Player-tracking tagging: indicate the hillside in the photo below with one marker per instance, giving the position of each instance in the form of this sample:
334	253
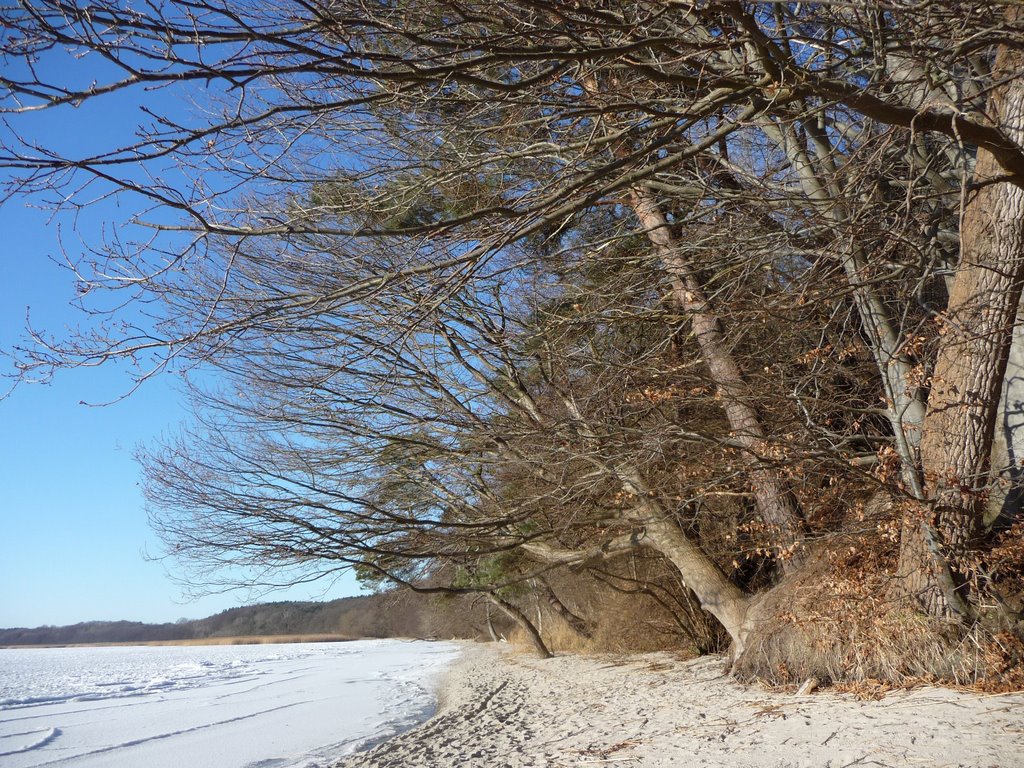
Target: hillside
380	615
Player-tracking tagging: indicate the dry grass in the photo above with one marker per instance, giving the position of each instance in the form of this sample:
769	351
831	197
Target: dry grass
624	625
900	648
631	625
839	622
557	637
560	637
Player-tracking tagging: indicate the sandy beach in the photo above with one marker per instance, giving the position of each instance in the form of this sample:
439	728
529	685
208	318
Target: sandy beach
501	708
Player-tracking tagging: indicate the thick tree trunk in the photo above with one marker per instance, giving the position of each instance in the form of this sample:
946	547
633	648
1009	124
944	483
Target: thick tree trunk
775	503
926	572
1007	493
976	336
715	592
524	623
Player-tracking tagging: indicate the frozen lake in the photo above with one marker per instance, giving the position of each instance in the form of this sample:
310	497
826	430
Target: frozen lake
241	706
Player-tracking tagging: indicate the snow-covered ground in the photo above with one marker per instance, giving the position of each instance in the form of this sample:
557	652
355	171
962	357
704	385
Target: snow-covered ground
254	706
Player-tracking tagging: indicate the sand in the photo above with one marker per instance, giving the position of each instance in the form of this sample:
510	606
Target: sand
500	708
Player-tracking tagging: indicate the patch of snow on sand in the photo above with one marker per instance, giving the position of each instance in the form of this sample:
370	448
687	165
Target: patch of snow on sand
260	706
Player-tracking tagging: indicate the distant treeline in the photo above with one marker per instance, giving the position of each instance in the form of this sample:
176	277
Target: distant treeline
380	615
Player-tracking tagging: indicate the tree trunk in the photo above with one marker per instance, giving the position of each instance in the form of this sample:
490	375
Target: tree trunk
775	503
905	406
686	612
524	623
714	590
490	624
574	622
716	593
976	333
1007	493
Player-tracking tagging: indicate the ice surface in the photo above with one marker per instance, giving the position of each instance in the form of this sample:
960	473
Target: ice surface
252	706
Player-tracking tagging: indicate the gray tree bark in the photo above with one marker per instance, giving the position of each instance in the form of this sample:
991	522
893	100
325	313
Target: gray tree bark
977	331
1007	489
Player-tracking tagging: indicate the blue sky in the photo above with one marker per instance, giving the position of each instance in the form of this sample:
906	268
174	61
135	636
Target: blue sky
73	530
72	525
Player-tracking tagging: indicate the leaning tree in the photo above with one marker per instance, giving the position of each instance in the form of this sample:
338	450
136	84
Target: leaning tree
650	257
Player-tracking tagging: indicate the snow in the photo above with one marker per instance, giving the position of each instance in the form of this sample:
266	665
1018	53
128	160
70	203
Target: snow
253	706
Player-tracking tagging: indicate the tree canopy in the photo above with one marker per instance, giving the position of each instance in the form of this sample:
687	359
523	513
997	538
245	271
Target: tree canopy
511	295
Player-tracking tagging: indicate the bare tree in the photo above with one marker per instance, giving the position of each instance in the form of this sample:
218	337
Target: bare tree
484	278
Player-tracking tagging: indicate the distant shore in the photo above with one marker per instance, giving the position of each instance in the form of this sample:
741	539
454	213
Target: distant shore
499	708
235	640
